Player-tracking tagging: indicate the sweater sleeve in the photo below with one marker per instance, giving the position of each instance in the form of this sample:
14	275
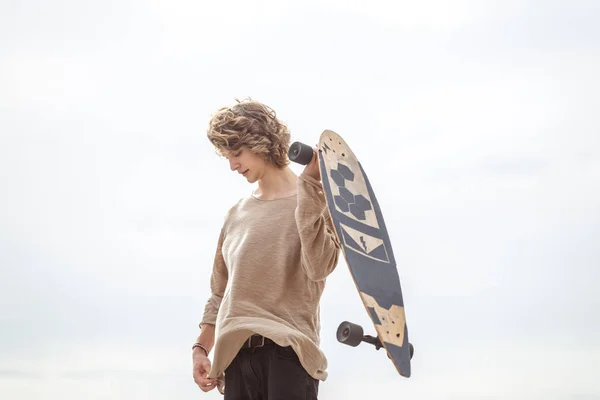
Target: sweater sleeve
320	246
218	282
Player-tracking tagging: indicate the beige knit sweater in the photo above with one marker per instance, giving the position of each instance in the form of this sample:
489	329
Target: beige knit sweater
269	272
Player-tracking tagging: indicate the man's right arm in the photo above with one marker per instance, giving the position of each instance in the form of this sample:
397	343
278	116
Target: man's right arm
206	338
218	283
201	362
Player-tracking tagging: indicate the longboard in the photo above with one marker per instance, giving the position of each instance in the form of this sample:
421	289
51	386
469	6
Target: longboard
366	246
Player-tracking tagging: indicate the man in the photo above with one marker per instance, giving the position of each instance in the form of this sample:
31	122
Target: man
275	250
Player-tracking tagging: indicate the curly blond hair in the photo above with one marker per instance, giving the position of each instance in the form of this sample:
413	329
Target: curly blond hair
252	125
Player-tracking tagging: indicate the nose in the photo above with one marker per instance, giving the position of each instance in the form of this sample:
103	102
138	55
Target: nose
233	165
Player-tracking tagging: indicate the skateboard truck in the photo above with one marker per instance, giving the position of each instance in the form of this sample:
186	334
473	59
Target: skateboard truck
352	335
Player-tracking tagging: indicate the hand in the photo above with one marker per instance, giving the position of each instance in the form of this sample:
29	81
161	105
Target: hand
312	168
201	368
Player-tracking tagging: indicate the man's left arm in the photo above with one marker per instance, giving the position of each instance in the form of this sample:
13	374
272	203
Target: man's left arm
320	245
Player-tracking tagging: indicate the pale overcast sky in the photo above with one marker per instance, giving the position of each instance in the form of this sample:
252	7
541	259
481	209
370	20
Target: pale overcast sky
477	122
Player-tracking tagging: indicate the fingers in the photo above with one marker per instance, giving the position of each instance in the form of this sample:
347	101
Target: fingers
312	168
315	165
207	386
204	383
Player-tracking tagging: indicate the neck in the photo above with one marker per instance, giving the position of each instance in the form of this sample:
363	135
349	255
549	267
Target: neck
276	183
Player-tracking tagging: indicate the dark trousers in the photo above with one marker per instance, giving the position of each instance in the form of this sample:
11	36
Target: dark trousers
268	372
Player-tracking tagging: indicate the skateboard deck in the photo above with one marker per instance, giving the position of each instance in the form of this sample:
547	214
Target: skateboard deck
366	246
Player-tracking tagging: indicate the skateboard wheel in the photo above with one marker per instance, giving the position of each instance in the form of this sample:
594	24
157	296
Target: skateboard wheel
349	334
411	349
300	153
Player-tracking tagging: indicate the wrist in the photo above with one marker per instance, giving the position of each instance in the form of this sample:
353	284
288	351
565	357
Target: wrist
198	347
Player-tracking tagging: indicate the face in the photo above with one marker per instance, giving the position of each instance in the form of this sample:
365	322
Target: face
246	163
